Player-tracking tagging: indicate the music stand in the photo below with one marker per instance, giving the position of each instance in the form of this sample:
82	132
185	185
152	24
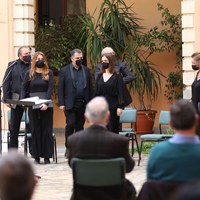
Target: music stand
27	103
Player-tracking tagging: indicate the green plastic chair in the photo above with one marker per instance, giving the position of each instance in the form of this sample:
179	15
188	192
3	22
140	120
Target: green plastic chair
128	116
97	173
163	120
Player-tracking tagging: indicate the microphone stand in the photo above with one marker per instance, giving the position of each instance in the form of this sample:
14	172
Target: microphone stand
4	80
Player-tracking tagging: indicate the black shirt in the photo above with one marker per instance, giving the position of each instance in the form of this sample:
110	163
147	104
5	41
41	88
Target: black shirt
37	85
79	82
112	90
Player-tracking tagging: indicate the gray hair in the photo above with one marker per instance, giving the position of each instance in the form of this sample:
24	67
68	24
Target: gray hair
107	50
182	114
96	110
75	51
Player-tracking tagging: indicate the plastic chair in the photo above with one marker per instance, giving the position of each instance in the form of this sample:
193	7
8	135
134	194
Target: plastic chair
129	116
95	175
25	119
163	120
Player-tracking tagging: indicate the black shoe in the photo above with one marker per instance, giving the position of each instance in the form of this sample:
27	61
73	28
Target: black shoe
46	161
37	160
66	153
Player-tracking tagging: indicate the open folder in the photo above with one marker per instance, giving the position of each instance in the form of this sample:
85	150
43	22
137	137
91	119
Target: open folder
37	102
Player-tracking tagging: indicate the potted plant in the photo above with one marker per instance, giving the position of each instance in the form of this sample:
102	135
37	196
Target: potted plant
148	81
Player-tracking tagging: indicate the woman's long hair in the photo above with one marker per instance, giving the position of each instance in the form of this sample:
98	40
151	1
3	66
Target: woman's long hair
45	69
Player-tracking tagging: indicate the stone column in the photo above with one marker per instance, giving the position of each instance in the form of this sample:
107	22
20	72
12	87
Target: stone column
190	10
23	18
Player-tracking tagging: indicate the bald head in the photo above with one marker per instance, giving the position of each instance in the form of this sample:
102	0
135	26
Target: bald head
107	50
97	111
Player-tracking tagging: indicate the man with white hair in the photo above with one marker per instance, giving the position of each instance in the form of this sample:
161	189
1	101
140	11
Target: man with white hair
97	142
120	67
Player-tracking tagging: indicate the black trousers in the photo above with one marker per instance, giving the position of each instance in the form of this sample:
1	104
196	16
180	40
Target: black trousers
74	121
41	129
14	126
113	124
16	116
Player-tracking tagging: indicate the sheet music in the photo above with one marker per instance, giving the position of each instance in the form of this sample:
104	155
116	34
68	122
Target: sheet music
36	100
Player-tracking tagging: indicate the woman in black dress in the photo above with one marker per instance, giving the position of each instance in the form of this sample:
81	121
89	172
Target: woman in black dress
110	85
196	85
39	82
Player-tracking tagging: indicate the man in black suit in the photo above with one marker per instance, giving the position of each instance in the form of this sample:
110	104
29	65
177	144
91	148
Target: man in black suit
74	91
97	142
12	84
121	67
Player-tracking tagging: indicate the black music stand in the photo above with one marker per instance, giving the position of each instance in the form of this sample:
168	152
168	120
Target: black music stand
27	103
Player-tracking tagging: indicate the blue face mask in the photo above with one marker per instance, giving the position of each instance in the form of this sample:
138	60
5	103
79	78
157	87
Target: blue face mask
27	59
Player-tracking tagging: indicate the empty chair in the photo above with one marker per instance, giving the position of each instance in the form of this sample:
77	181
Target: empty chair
128	116
163	120
98	178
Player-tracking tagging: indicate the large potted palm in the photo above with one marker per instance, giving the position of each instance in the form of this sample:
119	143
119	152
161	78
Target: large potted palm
118	26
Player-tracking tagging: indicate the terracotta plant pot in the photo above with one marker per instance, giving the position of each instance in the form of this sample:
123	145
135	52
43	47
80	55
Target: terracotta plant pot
145	121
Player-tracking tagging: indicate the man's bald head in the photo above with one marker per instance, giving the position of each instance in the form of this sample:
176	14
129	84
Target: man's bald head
97	111
107	50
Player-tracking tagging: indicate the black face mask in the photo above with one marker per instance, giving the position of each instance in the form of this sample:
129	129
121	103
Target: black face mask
79	62
194	67
105	65
40	63
27	59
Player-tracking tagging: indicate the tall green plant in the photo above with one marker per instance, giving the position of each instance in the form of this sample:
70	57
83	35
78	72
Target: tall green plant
115	25
168	37
118	26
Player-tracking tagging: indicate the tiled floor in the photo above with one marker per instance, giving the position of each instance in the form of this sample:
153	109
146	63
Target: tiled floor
56	179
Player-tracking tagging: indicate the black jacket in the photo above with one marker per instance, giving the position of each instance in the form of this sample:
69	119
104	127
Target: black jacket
67	86
13	78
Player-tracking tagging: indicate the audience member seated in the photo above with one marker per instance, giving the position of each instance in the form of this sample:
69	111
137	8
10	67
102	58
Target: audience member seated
177	159
17	180
189	191
96	142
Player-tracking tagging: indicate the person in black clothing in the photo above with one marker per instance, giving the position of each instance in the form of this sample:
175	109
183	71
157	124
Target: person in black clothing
120	67
110	85
196	85
12	83
74	91
39	82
